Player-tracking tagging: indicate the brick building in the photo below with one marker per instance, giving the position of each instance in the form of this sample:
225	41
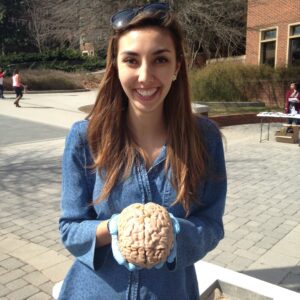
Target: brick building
273	32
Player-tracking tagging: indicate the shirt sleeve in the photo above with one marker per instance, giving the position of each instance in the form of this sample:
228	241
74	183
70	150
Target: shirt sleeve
78	221
286	106
202	230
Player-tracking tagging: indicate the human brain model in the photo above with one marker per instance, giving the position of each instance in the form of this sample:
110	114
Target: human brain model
145	234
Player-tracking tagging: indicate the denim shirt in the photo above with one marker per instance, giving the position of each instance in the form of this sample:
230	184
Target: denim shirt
95	274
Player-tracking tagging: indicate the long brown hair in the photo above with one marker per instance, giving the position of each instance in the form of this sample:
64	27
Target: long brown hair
110	140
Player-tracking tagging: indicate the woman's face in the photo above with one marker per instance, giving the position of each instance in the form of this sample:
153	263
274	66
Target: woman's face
147	64
292	86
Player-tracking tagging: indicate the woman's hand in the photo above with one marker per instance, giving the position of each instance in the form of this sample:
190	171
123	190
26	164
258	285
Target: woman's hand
102	234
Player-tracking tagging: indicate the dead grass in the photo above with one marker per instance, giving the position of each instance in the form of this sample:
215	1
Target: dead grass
41	80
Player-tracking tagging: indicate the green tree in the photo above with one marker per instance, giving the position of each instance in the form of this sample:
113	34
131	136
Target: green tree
13	26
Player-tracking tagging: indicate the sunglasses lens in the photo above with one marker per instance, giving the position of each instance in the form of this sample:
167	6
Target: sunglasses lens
153	7
123	17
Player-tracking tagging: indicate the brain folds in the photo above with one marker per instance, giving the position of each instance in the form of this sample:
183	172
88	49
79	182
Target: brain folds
145	234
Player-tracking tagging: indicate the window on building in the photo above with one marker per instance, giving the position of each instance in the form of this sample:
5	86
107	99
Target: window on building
268	47
294	45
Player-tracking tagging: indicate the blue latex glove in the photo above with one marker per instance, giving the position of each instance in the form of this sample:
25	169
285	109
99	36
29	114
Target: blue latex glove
176	230
113	230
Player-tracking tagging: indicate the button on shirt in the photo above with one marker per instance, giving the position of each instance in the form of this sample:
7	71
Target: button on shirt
95	274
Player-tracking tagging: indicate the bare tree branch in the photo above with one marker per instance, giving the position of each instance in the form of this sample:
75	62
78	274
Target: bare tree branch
213	27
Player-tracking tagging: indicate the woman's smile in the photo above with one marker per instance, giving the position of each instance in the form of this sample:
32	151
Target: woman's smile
147	94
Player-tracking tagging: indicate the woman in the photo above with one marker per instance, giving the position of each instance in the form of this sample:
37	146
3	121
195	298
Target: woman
144	145
2	74
292	102
18	87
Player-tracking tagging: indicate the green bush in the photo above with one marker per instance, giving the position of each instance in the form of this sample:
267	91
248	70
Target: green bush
221	82
237	82
68	60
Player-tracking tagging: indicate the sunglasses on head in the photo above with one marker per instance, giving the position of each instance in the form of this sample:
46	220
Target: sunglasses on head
123	17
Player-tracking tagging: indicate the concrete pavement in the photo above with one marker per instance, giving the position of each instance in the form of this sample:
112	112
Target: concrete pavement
262	219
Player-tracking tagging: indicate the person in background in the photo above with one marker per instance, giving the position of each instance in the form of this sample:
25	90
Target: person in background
2	74
292	102
141	143
18	87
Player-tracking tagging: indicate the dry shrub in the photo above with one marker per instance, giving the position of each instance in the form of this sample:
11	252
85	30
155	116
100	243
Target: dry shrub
43	80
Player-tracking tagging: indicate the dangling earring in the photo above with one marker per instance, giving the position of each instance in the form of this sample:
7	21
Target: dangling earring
174	77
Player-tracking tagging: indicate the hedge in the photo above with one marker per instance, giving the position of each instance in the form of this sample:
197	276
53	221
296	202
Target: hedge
236	82
68	60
